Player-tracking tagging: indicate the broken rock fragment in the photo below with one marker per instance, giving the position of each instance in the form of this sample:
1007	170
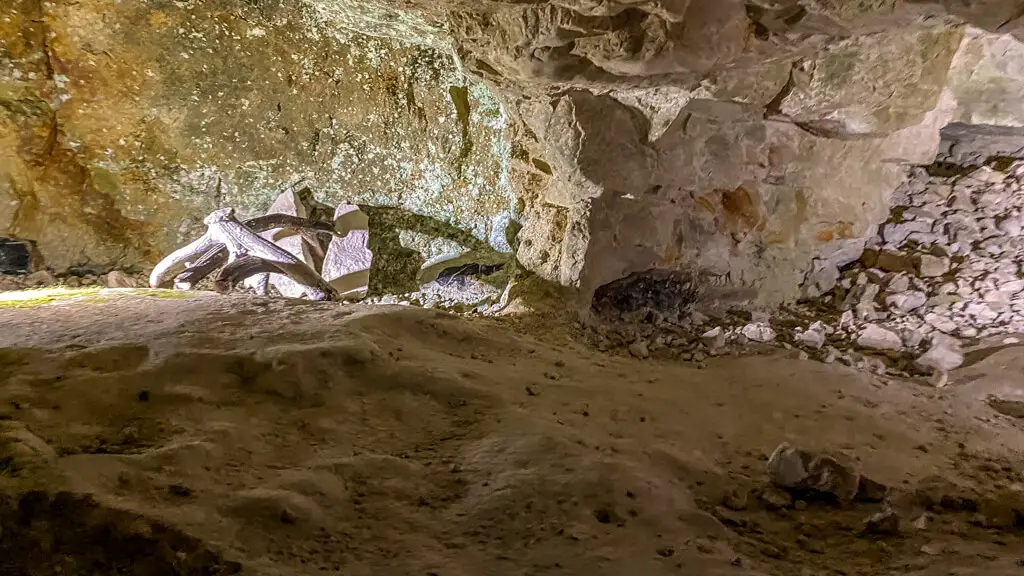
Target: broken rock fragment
758	332
877	338
811	338
795	469
885	523
932	266
289	203
944	355
906	301
348	260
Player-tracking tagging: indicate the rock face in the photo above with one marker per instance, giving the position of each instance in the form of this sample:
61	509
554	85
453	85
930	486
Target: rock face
754	144
121	125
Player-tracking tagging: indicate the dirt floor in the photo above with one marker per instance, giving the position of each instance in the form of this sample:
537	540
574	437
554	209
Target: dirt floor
221	435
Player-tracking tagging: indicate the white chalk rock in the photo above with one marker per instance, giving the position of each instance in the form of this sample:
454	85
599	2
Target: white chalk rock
348	259
758	332
906	301
878	338
811	338
944	355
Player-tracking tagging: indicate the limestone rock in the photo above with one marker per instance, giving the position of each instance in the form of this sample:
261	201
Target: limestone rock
987	79
878	338
125	176
713	339
118	279
347	263
820	279
811	338
932	266
758	332
906	301
944	355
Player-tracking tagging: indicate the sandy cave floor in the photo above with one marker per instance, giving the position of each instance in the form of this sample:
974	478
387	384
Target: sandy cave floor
220	435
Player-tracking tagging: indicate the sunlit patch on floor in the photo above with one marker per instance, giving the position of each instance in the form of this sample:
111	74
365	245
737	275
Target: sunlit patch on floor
44	296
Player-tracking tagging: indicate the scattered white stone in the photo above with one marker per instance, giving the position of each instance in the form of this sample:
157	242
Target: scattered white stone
906	301
714	339
988	175
758	332
347	263
941	323
877	338
944	355
1011	340
911	338
811	338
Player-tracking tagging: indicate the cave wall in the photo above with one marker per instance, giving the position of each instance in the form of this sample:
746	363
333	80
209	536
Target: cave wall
123	123
751	141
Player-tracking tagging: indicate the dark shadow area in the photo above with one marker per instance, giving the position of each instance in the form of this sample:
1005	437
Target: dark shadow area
15	256
395	268
73	535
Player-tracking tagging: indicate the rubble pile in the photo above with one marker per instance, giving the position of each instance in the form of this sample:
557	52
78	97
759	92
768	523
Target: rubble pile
944	270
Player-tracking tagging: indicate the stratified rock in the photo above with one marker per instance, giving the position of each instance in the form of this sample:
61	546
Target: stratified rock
348	260
878	338
944	355
758	332
118	279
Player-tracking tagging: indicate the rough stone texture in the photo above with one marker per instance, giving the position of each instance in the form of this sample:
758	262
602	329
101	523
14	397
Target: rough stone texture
987	78
738	140
128	122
